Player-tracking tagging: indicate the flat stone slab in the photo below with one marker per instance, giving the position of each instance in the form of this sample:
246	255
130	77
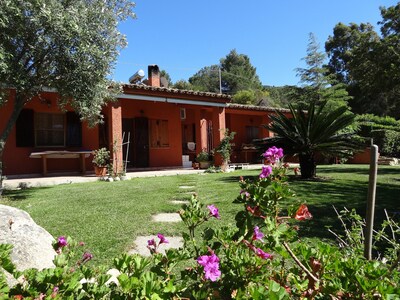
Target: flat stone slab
167	217
189	193
140	246
180	202
187	187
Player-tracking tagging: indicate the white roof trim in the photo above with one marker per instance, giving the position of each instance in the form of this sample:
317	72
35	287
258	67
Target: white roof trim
170	100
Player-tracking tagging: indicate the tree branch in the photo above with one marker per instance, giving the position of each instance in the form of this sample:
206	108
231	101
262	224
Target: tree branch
298	262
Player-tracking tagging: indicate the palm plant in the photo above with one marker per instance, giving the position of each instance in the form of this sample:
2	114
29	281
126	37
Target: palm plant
316	130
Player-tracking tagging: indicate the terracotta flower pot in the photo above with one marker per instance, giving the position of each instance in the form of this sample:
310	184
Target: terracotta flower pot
100	171
204	164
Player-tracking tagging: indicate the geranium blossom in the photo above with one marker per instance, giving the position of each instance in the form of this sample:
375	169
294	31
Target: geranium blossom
247	194
266	171
257	235
303	213
273	154
213	211
162	238
87	256
210	264
255	211
62	241
262	254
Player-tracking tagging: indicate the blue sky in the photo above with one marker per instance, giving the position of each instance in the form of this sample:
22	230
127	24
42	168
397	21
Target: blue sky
182	36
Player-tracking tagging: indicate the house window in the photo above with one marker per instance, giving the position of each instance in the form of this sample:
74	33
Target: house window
49	130
159	134
252	132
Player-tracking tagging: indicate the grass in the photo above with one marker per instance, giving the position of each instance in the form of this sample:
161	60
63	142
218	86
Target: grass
109	216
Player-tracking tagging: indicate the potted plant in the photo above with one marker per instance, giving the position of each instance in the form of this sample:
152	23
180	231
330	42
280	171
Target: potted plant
225	148
203	158
101	160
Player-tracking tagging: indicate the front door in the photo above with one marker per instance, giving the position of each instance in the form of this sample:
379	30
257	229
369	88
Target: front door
141	143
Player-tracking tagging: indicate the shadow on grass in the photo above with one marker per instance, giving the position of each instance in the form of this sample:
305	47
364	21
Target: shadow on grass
236	178
17	195
352	195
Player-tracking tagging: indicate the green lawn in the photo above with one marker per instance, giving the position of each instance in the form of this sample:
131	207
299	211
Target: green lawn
108	216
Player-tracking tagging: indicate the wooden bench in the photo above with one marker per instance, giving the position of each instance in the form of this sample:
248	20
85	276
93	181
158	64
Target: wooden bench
81	155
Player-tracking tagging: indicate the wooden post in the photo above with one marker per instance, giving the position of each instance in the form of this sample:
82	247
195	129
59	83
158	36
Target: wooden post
373	168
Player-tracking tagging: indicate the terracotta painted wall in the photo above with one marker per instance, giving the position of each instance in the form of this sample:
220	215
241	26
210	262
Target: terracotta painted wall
159	157
237	123
16	159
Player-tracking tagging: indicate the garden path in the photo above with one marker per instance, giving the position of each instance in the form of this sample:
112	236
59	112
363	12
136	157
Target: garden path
141	242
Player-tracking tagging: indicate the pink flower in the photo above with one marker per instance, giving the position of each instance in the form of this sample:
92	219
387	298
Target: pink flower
263	254
303	213
162	238
257	235
247	194
62	241
151	242
266	171
81	244
273	154
212	272
87	256
210	264
55	291
213	211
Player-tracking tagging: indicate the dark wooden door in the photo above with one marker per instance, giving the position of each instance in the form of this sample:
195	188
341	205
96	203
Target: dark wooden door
141	143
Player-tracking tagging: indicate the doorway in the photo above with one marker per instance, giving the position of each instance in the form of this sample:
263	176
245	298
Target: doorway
141	142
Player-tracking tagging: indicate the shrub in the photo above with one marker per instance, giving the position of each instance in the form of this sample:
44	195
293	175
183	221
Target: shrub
388	142
262	258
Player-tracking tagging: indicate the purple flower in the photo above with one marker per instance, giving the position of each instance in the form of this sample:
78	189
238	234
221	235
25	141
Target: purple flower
257	235
204	260
211	266
87	256
162	238
151	242
213	211
263	254
266	171
212	272
247	194
273	154
62	241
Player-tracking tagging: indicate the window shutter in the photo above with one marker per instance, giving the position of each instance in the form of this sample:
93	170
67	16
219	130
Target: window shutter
74	130
25	129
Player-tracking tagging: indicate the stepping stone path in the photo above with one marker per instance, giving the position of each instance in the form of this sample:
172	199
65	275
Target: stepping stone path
173	241
141	244
167	217
179	202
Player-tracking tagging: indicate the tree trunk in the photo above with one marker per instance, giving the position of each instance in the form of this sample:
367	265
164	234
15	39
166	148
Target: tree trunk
19	102
308	167
2	144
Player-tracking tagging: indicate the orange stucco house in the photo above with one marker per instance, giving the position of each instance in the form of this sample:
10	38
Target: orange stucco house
165	128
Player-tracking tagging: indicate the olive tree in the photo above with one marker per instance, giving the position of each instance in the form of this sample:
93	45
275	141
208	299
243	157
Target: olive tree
63	45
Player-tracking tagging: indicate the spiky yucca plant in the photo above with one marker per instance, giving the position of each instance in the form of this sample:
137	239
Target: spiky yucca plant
317	130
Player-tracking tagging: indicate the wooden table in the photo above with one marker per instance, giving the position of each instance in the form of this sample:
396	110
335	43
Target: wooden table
81	155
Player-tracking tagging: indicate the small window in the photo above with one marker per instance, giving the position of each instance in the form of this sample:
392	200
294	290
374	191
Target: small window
49	130
159	134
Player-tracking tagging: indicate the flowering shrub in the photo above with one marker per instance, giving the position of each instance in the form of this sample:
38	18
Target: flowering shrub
262	258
